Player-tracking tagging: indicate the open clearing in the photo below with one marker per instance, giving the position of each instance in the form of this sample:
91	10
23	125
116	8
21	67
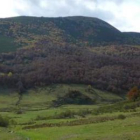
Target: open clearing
36	119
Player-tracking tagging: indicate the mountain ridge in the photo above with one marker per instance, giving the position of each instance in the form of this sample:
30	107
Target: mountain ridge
25	31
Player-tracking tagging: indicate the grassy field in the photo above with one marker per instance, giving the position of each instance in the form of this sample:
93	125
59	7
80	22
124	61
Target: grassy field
35	119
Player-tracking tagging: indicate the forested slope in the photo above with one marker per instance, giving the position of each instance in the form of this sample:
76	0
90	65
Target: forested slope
68	50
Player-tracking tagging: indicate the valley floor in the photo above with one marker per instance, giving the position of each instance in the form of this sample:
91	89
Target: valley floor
35	118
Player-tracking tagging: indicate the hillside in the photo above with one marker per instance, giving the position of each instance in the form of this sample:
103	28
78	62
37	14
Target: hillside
112	68
67	78
25	31
79	50
44	97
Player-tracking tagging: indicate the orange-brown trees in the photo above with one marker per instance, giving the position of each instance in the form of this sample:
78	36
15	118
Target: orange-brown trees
134	94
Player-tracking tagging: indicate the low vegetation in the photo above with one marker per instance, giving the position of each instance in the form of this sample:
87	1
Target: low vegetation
5	121
73	97
134	94
35	113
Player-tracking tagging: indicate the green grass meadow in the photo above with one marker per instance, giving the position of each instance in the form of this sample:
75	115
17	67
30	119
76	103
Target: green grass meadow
35	119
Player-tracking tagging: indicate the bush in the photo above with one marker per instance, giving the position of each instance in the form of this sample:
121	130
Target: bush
83	112
19	112
121	116
4	121
73	97
66	114
134	94
43	117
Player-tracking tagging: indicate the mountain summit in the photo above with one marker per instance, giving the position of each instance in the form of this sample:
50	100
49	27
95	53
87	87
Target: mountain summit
26	31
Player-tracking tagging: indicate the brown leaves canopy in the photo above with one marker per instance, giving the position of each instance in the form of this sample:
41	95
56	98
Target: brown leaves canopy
134	94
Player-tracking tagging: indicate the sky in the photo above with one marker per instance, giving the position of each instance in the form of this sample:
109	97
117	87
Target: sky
122	14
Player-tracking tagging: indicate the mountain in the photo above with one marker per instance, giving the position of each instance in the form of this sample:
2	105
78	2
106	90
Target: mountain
44	51
25	31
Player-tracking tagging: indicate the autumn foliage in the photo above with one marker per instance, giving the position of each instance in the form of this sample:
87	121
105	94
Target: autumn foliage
134	94
75	50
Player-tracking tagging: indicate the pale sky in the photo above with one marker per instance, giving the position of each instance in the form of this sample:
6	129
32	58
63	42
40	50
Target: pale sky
122	14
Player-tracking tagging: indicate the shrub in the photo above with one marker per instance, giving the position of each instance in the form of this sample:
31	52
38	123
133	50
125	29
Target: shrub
4	121
134	94
43	117
84	112
19	112
73	97
66	114
121	116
